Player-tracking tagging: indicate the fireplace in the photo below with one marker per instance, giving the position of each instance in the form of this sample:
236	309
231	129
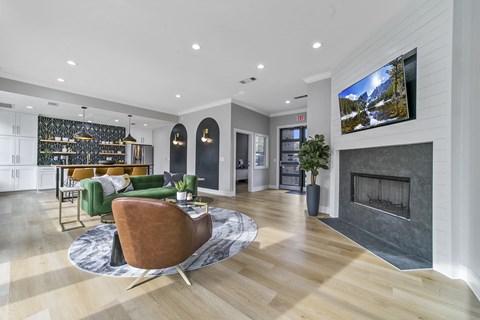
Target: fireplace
388	194
387	191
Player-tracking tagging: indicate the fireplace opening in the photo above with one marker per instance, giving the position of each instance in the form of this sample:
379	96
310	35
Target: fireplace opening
388	194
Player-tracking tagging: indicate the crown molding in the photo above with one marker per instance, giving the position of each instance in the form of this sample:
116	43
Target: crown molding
317	77
285	113
206	106
246	106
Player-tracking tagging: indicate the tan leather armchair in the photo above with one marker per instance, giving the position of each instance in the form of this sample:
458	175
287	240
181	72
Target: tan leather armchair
155	234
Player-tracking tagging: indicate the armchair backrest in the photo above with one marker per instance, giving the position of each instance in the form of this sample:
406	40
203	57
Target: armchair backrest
154	234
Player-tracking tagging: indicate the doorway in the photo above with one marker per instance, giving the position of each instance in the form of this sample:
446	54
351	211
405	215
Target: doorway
290	175
243	145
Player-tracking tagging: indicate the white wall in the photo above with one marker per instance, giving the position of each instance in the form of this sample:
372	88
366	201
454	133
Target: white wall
318	108
161	149
426	25
465	146
222	114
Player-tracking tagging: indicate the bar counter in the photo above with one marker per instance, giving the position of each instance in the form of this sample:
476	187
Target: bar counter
61	167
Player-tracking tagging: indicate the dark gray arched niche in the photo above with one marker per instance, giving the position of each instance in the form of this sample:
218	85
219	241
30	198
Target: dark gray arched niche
178	152
207	154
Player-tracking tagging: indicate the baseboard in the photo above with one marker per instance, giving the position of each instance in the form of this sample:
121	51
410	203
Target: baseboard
326	210
473	281
217	192
272	186
259	188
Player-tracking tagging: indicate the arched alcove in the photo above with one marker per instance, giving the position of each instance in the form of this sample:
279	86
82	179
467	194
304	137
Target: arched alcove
207	153
178	149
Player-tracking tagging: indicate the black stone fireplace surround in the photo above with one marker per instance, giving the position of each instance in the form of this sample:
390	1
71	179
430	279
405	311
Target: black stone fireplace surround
415	162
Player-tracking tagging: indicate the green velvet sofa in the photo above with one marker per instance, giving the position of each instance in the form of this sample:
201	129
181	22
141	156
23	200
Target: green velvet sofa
94	203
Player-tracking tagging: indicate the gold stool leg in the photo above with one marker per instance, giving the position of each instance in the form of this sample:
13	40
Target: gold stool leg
184	276
134	283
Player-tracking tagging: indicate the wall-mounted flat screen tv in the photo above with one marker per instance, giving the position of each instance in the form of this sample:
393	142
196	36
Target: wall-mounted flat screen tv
378	99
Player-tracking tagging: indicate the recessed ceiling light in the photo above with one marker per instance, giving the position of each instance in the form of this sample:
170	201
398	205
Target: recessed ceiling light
116	120
195	46
316	45
89	121
287	102
178	96
260	66
145	124
29	107
60	80
72	63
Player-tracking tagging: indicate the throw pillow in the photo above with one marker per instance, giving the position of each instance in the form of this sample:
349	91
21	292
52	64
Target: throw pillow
169	179
107	185
121	183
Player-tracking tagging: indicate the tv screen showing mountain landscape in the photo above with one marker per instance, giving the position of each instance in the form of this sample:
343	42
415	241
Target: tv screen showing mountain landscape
378	99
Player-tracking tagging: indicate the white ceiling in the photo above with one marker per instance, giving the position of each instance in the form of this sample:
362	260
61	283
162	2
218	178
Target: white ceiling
138	52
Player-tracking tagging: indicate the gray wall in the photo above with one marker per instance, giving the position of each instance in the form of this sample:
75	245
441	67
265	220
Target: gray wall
318	108
223	115
161	149
242	148
276	123
248	120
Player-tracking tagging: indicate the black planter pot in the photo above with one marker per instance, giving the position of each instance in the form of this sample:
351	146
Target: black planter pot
313	199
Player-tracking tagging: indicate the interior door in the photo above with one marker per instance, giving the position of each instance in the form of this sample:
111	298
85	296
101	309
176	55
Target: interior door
291	177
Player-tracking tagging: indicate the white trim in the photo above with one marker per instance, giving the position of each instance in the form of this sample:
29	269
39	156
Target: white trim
317	77
217	192
277	169
249	162
247	106
272	186
323	209
285	113
266	152
206	106
470	277
259	188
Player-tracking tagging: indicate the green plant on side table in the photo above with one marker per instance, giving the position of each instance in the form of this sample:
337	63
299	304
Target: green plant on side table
181	187
314	155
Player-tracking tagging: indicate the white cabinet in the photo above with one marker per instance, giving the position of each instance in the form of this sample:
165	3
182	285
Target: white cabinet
7	178
18	124
143	135
17	178
46	178
18	150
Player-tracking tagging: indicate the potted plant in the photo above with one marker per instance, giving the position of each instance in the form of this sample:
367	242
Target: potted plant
314	155
181	187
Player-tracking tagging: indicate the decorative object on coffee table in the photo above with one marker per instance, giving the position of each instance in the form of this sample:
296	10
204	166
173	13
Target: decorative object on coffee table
181	187
314	155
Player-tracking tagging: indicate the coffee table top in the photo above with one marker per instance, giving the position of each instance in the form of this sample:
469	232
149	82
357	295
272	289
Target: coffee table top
199	199
194	208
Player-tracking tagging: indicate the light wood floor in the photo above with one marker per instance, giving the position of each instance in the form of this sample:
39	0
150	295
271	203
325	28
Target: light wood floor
297	268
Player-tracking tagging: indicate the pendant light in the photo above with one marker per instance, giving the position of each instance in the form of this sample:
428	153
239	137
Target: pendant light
83	134
129	138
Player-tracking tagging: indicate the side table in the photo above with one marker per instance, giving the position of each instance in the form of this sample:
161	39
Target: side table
71	190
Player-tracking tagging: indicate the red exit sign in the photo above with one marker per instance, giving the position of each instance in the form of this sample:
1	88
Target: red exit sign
301	118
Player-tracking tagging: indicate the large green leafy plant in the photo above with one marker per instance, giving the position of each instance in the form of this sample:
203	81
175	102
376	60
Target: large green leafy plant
314	155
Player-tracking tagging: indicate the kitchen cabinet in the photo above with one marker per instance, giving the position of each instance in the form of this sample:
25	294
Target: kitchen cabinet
46	178
18	124
14	178
7	150
18	150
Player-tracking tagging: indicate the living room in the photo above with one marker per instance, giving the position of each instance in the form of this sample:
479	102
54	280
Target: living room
296	266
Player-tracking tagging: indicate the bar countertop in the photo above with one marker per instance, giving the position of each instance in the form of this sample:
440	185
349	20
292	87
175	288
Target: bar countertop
99	165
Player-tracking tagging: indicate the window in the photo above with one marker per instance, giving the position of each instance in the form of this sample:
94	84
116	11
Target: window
261	154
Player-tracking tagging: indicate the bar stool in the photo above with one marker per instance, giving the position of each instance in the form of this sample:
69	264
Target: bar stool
68	182
100	171
128	170
81	173
139	171
117	171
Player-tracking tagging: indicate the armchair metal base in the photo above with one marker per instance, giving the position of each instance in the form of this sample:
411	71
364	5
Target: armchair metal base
179	270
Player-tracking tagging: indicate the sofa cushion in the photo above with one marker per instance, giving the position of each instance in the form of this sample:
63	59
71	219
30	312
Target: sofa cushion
107	185
147	182
155	193
122	183
171	178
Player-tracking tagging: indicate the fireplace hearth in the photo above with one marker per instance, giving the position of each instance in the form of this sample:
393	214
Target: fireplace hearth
388	194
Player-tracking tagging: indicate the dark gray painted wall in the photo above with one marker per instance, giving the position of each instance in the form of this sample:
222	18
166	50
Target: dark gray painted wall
414	161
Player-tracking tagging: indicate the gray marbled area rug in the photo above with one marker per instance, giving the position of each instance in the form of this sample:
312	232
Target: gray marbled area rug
232	232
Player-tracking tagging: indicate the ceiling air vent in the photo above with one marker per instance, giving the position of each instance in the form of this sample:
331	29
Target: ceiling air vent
6	105
300	97
245	81
52	104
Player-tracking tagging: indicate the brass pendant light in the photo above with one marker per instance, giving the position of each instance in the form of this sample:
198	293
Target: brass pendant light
83	134
129	138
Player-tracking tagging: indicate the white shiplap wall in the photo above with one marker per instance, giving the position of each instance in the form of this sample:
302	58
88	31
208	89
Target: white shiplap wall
427	26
